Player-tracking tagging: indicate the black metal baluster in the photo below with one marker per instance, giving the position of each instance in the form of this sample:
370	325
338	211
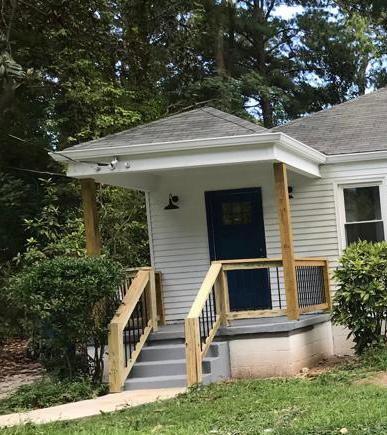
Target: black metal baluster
146	320
131	332
210	308
278	288
126	345
203	329
214	303
142	313
206	318
138	327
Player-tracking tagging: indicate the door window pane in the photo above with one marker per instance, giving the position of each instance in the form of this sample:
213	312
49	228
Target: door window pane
371	231
362	204
237	213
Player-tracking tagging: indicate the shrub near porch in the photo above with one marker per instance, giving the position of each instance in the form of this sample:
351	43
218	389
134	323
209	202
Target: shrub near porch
69	303
360	302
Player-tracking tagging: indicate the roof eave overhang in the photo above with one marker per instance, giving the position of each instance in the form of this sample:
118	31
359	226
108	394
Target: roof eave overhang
253	147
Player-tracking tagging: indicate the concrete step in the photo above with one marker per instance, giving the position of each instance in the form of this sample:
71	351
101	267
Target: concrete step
169	351
155	382
165	368
162	362
162	352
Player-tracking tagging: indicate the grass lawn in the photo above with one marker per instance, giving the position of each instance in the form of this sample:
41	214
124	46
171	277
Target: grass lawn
332	402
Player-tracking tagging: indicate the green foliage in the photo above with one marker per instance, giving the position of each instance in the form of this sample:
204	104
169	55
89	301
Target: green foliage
56	230
360	301
60	230
123	225
14	208
50	392
69	302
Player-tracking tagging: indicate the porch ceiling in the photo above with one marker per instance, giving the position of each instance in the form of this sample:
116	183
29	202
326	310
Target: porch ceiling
139	166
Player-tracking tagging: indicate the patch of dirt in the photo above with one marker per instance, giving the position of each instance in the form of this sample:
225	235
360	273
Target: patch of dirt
16	367
326	365
378	379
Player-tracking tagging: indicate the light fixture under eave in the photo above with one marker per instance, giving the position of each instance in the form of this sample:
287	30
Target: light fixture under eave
173	199
290	192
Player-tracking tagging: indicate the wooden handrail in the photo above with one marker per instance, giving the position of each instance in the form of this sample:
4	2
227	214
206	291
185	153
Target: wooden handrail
140	298
129	302
206	287
196	348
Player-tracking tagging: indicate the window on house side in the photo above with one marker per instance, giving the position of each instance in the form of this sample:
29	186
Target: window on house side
363	216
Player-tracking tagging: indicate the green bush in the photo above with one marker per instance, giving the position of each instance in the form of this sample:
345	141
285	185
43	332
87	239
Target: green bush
69	302
50	392
360	301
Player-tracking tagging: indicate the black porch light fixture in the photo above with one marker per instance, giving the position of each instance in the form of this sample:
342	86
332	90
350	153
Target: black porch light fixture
290	192
173	199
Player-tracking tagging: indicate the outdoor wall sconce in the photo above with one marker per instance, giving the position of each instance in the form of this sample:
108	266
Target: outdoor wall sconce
290	192
173	199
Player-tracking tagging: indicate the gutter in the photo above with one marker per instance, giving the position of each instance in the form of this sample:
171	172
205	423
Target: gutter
356	157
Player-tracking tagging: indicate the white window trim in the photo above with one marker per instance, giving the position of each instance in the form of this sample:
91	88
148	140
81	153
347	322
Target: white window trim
340	185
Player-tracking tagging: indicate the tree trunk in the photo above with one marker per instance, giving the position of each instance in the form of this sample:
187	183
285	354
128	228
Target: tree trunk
267	112
259	42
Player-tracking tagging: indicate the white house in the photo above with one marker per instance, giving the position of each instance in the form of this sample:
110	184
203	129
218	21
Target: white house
243	225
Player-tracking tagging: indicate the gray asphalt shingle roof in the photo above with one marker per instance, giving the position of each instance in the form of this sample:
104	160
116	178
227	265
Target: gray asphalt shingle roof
203	123
359	125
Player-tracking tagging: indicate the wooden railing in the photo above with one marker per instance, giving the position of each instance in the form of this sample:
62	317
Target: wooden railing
313	288
130	327
211	308
203	321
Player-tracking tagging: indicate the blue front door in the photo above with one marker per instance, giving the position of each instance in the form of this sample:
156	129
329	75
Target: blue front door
236	231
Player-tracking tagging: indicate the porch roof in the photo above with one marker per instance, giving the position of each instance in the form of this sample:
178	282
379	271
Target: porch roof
202	123
199	138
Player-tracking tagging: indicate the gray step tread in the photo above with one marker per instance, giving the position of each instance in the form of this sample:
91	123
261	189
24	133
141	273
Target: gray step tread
169	361
152	379
156	378
164	346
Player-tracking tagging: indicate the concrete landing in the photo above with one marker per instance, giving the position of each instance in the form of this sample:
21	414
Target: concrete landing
88	408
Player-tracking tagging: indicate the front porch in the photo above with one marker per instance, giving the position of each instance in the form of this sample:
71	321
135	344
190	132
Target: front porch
223	247
296	285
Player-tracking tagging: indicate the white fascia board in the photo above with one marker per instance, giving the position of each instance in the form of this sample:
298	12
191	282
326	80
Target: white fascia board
297	163
192	145
299	148
162	162
356	157
161	147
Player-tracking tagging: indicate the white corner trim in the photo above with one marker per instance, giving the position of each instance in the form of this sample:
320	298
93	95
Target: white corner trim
356	157
193	145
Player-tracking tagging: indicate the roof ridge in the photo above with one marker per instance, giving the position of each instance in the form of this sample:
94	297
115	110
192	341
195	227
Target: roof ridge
332	108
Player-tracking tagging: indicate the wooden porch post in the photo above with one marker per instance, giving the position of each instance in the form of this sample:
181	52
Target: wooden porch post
287	248
93	238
